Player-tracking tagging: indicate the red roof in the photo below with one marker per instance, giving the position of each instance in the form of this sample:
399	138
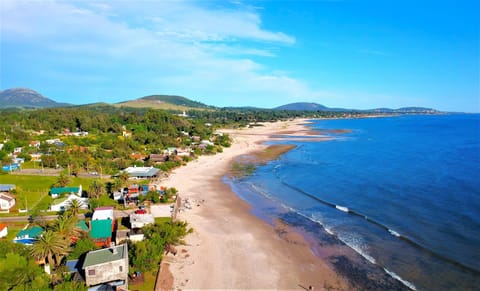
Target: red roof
2	226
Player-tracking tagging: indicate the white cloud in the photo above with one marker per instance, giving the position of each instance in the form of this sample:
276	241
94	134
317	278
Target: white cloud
181	47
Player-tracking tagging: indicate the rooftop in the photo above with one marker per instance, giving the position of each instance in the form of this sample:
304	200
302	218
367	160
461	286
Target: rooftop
61	190
6	187
82	225
105	255
6	197
101	229
32	232
141	171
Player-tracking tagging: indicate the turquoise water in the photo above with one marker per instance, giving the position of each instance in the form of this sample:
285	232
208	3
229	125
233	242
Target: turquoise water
403	192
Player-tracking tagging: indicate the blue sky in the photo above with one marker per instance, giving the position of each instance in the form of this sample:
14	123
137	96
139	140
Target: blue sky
353	54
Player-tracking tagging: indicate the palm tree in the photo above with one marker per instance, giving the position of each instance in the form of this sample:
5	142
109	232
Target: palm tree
63	180
96	189
50	247
65	226
73	207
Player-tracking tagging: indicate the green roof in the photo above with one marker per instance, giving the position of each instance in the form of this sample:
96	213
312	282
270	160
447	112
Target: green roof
105	255
82	225
33	232
61	190
101	229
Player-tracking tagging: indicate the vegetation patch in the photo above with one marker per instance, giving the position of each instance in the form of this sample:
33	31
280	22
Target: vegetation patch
247	164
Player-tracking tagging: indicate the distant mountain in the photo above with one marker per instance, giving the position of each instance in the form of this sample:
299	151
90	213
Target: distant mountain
165	102
304	106
26	98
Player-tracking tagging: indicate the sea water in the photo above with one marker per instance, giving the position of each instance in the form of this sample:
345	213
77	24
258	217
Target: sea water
403	192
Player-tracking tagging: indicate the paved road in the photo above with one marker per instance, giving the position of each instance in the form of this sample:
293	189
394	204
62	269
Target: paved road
117	213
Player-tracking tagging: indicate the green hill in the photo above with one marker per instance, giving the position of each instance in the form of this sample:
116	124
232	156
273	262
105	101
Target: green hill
171	102
26	98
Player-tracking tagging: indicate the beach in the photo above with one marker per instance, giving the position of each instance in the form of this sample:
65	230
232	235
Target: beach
230	248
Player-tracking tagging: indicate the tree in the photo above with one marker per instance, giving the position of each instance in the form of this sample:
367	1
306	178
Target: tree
70	285
50	247
63	180
123	177
65	227
74	207
96	189
82	246
19	273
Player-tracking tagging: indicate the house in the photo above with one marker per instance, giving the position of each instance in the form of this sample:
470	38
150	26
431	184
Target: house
207	142
158	158
171	151
34	143
82	227
101	232
18	160
3	230
55	192
142	172
6	187
65	203
28	236
102	225
136	235
107	267
53	141
184	152
140	220
117	195
6	201
17	150
138	156
102	213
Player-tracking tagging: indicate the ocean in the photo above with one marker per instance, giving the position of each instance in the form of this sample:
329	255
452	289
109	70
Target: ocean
402	192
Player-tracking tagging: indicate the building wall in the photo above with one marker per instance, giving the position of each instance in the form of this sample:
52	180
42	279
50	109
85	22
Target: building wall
5	205
4	232
107	272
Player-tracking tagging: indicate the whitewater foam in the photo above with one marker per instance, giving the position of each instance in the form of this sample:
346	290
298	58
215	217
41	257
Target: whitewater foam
404	282
394	233
342	208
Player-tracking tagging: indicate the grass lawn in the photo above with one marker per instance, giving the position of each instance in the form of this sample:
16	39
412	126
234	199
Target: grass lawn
13	229
162	219
32	191
148	284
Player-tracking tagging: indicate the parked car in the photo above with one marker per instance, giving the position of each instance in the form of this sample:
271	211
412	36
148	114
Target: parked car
140	211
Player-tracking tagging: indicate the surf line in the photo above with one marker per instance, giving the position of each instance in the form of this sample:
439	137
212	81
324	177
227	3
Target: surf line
390	231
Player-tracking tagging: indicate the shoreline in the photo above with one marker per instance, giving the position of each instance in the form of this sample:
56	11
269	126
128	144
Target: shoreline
231	248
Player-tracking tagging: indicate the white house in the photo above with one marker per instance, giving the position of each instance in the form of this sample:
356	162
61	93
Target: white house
103	213
66	203
55	192
3	230
6	201
140	220
141	172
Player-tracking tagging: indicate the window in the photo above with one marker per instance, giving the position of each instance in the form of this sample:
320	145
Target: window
91	272
120	268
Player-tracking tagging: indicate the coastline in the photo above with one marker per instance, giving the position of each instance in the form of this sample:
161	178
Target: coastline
230	247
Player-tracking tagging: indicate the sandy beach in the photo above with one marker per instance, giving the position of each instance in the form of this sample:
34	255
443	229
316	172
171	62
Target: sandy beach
230	248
